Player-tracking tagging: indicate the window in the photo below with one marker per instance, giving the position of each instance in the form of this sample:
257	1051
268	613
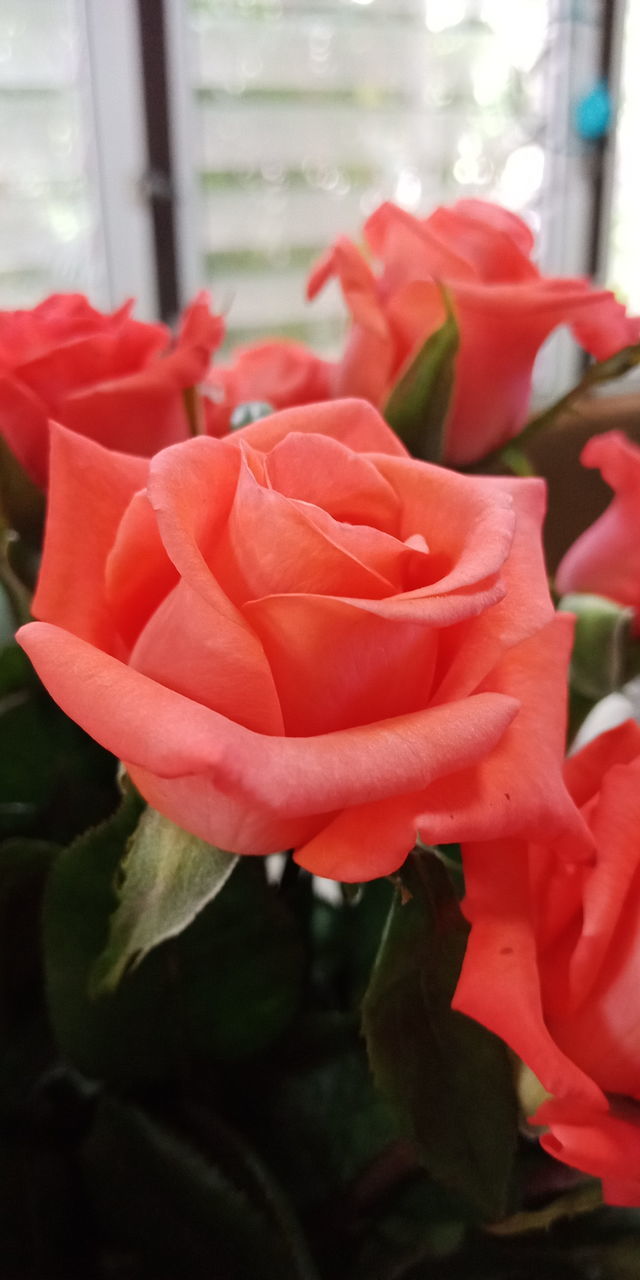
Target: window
285	123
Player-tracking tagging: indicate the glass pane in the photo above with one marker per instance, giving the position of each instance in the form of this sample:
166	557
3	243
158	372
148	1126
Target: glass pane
49	236
308	115
624	247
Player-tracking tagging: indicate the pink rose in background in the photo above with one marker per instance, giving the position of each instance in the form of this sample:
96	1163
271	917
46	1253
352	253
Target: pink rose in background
109	377
553	964
280	373
605	559
504	306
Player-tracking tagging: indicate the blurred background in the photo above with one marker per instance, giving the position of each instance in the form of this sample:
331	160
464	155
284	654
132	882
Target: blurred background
154	146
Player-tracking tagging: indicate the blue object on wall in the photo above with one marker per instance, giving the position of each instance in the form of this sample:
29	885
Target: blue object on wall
593	113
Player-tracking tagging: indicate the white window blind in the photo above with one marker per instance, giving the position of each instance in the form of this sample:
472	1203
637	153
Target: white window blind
72	156
623	266
295	119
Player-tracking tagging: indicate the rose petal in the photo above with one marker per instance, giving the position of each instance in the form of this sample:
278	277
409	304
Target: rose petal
468	522
494	241
499	985
209	656
165	733
353	422
605	559
273	544
518	788
583	771
96	486
476	645
138	572
345	484
336	665
599	1144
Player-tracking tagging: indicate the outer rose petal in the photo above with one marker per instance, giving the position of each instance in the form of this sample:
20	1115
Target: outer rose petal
500	219
345	261
598	1024
495	361
62	317
369	358
499	985
412	249
238	780
496	242
192	647
117	348
552	965
518	788
150	400
96	485
606	558
108	377
353	422
526	606
138	573
496	796
601	1144
584	771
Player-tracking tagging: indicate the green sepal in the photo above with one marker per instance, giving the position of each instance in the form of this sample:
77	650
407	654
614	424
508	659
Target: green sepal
602	643
419	402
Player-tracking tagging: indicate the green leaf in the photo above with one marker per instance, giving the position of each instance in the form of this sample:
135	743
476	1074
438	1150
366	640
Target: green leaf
54	780
241	968
319	1117
28	764
23	504
417	1221
603	636
168	876
225	988
448	1078
344	939
24	865
156	1196
16	671
418	405
137	1032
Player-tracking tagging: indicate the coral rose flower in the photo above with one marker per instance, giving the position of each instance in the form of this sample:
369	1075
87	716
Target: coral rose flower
503	305
605	559
280	373
109	377
553	964
300	637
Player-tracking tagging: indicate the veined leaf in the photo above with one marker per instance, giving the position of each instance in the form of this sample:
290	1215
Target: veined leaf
448	1079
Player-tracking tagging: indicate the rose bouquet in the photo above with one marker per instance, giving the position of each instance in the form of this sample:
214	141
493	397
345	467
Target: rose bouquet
319	950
